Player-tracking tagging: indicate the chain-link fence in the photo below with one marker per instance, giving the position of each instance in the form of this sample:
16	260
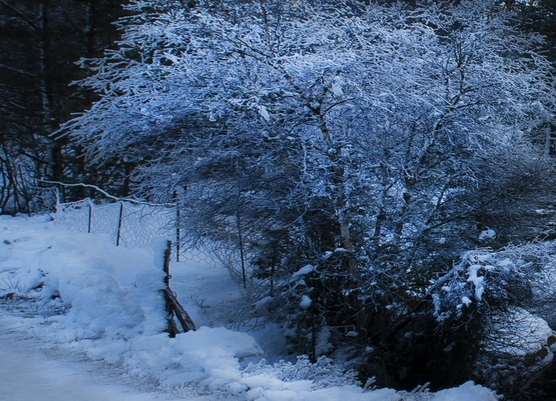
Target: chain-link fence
135	224
129	224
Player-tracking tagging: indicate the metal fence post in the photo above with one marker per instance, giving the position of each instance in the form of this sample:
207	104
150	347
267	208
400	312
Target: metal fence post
90	222
120	223
178	232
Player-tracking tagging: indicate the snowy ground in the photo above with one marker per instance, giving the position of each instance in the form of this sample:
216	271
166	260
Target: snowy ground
29	373
90	316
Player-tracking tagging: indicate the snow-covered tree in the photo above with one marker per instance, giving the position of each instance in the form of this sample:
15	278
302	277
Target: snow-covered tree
366	142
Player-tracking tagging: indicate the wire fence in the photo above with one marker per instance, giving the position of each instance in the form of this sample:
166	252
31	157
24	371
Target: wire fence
133	225
127	224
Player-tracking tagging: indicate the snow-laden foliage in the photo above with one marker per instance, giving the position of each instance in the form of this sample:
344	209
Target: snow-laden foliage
374	143
510	292
483	279
520	276
323	373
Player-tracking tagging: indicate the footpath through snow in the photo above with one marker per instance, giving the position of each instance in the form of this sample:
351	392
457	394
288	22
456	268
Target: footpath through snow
75	294
27	373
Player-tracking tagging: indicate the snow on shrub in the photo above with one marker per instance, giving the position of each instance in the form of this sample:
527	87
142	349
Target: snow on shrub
507	292
322	374
482	279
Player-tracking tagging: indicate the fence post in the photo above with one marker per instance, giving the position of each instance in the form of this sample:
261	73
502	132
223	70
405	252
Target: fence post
56	199
178	233
61	193
120	223
173	306
241	249
90	222
171	328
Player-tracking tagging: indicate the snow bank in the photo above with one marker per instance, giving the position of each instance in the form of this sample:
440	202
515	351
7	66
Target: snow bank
466	392
81	293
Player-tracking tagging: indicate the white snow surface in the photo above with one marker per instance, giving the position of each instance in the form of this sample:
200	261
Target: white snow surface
91	318
28	373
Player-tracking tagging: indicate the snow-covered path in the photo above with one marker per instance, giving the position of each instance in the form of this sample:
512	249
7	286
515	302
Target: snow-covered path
27	373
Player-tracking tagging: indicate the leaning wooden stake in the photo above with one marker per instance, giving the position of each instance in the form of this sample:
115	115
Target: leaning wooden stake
185	320
173	306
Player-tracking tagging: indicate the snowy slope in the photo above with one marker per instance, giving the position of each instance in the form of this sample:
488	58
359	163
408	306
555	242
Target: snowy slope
77	294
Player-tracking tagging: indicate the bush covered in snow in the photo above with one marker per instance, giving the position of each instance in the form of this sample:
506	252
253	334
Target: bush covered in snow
324	373
505	297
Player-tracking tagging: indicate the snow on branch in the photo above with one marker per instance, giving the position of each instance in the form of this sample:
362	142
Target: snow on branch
106	194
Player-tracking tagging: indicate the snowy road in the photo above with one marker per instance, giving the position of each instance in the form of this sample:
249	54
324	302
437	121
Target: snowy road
28	374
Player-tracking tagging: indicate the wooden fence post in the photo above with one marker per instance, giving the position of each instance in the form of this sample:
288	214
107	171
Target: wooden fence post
173	306
171	326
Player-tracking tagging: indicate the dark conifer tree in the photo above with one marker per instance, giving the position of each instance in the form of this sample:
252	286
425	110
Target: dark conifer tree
40	41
